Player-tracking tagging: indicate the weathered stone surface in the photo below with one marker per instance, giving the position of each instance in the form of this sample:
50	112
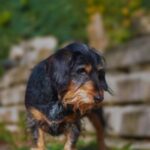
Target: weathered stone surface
115	143
32	57
33	49
87	125
4	146
43	43
15	76
141	23
12	96
10	114
130	121
122	121
144	145
17	52
12	128
133	53
129	88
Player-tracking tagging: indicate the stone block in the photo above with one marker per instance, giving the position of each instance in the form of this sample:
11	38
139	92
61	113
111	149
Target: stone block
87	125
129	88
13	96
129	121
38	49
17	52
133	53
40	43
12	128
141	145
10	114
14	77
132	144
32	51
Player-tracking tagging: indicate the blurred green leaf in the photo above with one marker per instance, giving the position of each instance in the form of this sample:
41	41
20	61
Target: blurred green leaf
5	17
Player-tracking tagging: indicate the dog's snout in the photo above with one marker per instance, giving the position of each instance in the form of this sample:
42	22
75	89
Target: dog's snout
98	98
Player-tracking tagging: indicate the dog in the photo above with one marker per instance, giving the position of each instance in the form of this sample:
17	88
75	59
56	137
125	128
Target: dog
64	88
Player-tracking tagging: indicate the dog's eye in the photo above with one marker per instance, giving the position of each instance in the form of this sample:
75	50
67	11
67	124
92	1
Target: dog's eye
81	70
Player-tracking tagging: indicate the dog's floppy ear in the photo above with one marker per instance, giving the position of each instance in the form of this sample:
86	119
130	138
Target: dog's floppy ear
60	69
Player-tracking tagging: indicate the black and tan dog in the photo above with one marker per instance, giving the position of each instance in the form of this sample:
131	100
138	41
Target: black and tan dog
64	88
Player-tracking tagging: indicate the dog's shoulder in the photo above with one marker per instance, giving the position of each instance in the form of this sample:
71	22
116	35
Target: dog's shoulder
39	86
38	75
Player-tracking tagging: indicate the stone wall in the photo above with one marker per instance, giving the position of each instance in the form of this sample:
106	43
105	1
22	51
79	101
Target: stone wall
127	112
13	84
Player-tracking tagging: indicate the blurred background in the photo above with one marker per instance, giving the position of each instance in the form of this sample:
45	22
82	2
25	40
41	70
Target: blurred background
31	30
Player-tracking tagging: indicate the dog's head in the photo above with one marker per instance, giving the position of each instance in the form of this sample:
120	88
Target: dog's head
78	75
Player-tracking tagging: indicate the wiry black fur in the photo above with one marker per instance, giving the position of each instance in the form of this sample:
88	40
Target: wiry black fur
50	78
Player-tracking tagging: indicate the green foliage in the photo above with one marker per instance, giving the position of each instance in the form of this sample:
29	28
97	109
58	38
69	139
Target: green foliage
20	19
65	19
87	146
5	135
117	16
145	4
55	146
15	140
81	145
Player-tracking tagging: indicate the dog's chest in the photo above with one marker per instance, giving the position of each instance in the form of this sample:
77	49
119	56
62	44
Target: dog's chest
58	127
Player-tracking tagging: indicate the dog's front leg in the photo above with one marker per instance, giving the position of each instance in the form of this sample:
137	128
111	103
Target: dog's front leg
39	139
72	136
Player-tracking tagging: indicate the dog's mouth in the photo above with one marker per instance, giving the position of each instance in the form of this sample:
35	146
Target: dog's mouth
83	97
82	100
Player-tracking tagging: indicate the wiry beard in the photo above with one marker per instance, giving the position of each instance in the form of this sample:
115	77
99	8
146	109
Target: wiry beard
80	100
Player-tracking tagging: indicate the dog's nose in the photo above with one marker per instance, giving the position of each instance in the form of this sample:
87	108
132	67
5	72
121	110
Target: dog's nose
98	98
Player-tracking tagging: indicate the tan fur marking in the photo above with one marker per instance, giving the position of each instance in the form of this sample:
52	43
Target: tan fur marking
68	144
40	145
81	98
41	140
88	68
71	118
39	115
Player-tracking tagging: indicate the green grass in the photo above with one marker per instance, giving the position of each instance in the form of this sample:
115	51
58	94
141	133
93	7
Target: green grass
21	142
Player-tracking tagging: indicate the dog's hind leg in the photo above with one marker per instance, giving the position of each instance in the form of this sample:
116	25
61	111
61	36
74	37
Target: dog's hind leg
98	125
72	136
